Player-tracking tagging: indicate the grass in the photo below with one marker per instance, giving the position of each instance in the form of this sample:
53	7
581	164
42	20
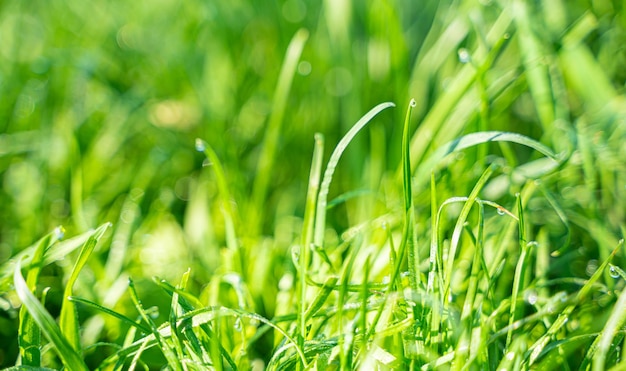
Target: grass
313	185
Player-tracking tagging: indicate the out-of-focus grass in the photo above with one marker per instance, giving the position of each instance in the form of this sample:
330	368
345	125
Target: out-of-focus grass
101	104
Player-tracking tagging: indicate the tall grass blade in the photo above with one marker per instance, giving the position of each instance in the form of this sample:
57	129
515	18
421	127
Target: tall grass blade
458	228
227	211
535	69
320	215
407	243
270	142
70	358
307	233
68	319
518	278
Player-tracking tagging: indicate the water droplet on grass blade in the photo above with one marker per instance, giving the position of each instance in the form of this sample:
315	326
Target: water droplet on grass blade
59	232
238	325
613	271
464	55
412	103
531	297
500	211
200	145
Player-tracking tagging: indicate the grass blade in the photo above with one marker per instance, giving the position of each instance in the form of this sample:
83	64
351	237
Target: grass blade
613	325
407	232
474	139
167	349
64	349
320	215
537	348
307	232
29	334
69	321
270	142
228	213
458	228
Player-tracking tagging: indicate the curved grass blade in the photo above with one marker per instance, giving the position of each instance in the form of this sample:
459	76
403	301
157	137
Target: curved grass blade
110	312
65	351
320	215
458	229
474	139
68	319
29	335
55	252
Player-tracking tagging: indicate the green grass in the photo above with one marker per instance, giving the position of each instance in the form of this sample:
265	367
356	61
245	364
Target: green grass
309	185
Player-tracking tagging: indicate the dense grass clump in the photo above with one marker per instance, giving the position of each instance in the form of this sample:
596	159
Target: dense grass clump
313	185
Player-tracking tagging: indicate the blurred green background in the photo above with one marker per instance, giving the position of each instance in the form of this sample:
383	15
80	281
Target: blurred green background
101	103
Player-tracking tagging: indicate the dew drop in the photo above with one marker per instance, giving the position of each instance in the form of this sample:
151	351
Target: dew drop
200	145
59	232
464	55
532	244
238	325
613	272
500	211
531	297
412	103
295	253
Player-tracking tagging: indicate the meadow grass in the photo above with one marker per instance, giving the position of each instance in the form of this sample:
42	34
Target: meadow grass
305	185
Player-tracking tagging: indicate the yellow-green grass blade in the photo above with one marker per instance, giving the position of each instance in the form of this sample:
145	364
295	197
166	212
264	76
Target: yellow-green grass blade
68	319
70	358
322	200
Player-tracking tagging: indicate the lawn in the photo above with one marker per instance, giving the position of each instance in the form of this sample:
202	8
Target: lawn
313	185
